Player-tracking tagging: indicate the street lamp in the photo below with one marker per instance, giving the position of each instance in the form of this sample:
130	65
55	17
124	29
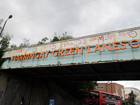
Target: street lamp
5	24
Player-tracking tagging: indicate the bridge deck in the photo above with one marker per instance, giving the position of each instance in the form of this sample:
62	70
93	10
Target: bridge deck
107	56
127	70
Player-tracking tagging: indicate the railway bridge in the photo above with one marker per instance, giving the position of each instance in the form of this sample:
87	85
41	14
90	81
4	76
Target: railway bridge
99	57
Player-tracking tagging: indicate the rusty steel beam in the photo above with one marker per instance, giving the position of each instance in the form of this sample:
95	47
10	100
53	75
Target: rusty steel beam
119	70
94	72
72	72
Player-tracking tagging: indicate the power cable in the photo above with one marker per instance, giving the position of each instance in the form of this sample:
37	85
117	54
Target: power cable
51	12
68	8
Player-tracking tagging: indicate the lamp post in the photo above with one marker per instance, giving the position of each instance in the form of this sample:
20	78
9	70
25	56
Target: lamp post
5	24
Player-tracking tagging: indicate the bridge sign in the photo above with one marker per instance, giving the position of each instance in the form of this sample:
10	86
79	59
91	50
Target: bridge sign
109	47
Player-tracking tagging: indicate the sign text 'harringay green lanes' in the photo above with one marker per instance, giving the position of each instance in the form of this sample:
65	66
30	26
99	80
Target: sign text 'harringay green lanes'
74	50
74	46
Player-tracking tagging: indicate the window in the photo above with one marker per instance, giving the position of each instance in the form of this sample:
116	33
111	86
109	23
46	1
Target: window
112	97
118	98
107	96
93	95
103	95
99	87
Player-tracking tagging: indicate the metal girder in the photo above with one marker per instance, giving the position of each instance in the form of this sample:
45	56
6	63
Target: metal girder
55	74
77	75
72	72
34	73
16	71
93	71
37	74
115	71
119	69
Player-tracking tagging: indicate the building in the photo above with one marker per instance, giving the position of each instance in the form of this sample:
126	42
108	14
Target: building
135	91
113	88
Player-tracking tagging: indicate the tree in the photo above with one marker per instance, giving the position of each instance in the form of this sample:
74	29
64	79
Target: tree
13	47
131	98
77	89
44	39
25	43
4	44
64	36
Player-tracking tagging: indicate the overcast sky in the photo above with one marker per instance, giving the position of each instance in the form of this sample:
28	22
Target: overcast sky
35	19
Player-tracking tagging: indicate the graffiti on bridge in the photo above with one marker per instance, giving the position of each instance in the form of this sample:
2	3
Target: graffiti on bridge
131	33
102	37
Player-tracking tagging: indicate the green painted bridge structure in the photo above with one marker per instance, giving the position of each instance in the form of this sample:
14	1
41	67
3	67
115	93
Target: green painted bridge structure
99	57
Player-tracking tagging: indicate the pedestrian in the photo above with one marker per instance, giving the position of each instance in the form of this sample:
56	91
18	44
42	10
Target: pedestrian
22	101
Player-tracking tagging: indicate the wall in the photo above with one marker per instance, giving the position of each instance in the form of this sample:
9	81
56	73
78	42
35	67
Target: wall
107	88
35	92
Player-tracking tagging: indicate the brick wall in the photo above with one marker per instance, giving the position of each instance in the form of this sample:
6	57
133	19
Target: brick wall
110	88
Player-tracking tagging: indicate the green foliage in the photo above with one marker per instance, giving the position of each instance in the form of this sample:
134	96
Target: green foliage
25	43
78	89
1	20
131	99
55	38
64	36
42	41
13	46
4	44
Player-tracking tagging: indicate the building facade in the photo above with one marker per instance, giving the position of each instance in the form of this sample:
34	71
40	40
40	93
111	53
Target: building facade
135	91
113	88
